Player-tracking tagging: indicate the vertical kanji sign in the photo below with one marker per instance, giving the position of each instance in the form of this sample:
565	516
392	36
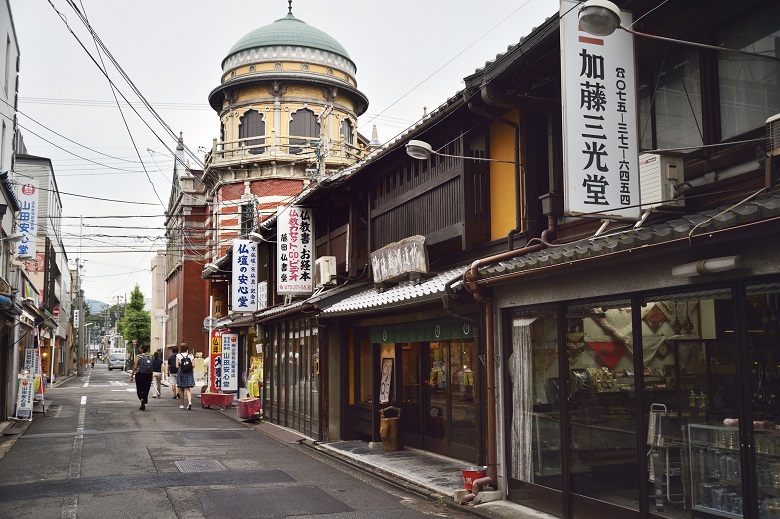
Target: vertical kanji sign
601	161
28	217
294	248
229	362
244	276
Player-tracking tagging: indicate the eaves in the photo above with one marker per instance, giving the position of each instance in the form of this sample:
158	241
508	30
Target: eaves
506	61
680	232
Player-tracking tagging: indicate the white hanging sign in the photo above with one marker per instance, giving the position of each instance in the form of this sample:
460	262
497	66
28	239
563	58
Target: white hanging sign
600	160
294	251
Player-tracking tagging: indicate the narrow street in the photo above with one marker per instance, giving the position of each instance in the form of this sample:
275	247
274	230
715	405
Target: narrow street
95	454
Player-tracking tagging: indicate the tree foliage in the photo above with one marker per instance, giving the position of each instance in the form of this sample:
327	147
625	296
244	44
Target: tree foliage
136	325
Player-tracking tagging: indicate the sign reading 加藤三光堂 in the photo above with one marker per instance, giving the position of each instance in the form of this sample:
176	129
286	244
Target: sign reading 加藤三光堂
600	160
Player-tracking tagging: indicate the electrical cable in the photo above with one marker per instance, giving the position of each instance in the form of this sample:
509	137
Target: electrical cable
65	21
124	75
121	112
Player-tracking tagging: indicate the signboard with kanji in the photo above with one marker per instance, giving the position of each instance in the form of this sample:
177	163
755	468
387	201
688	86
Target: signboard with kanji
229	362
244	276
215	361
600	160
294	251
28	217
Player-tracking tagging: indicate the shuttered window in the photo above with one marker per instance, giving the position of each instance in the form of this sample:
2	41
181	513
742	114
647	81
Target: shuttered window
251	125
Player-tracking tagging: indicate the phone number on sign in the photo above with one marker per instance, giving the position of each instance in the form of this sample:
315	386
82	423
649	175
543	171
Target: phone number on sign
300	288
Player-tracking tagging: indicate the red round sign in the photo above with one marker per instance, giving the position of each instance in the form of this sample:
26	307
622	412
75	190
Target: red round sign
56	311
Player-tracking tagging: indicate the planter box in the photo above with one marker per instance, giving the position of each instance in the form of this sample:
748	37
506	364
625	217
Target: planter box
218	399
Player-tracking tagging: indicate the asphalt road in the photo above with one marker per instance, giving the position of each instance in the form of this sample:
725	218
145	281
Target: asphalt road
94	454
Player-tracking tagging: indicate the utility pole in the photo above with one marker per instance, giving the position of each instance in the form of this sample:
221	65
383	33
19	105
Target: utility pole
80	365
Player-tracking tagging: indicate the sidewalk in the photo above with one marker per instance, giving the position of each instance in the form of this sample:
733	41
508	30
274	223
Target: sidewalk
421	472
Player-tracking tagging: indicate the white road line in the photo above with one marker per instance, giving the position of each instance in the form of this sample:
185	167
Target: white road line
70	503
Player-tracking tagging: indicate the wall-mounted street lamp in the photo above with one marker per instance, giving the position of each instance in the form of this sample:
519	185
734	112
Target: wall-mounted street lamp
602	18
421	150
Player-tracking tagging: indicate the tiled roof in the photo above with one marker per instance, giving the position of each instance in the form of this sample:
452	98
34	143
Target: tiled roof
683	227
276	310
406	292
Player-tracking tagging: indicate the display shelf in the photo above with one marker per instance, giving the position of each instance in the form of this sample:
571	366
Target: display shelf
716	470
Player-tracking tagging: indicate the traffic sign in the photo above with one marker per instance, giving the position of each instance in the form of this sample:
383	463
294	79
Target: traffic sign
56	312
209	322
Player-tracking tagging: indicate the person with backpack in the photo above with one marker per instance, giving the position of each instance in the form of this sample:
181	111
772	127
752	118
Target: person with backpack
172	371
142	372
185	378
157	365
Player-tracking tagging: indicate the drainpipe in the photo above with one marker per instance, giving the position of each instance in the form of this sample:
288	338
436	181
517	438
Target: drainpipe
518	207
470	279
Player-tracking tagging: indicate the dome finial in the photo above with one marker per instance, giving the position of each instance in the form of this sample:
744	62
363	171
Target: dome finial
289	6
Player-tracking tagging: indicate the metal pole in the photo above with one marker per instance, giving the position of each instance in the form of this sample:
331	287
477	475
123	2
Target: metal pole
81	328
80	345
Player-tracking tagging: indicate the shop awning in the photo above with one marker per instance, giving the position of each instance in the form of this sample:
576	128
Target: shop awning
9	306
430	331
402	294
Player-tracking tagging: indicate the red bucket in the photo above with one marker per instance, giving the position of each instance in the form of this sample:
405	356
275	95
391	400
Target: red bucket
471	474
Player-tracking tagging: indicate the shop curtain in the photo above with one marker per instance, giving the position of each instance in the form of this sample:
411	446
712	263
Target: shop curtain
521	373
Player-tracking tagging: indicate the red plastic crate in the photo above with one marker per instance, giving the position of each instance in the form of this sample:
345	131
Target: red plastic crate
248	407
218	399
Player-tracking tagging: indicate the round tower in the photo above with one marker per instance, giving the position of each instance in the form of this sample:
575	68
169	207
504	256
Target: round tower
288	105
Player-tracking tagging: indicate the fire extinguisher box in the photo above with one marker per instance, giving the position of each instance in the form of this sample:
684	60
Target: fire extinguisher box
248	407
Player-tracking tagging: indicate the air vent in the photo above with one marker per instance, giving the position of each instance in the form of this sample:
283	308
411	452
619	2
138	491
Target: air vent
773	136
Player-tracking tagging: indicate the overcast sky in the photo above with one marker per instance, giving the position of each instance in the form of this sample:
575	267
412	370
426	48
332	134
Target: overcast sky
409	54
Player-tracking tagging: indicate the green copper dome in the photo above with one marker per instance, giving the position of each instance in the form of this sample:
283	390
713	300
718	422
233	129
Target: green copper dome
292	32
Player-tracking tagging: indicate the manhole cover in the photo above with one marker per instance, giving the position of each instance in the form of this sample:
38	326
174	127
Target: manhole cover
199	466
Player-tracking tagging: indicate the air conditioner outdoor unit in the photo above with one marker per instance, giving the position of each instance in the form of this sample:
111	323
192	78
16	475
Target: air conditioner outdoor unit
659	178
773	136
324	270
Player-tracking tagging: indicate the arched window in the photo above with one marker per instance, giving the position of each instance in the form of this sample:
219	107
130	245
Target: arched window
346	131
252	124
303	124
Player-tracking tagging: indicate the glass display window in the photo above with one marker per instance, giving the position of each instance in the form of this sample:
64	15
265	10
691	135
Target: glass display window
535	398
690	391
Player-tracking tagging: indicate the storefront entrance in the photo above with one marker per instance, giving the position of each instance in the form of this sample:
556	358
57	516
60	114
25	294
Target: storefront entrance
435	366
664	405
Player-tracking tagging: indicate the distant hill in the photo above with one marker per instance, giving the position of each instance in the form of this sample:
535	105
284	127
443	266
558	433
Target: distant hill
95	307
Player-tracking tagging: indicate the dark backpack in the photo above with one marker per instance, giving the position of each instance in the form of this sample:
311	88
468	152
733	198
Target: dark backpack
144	364
185	364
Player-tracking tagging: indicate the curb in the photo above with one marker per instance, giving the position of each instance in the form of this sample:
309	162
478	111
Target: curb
399	481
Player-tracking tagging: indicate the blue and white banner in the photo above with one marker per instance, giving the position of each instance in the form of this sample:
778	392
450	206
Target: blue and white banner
229	362
28	217
244	285
24	399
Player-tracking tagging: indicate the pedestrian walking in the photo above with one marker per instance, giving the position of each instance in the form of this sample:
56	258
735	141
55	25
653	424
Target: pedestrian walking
185	378
173	370
157	365
142	371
